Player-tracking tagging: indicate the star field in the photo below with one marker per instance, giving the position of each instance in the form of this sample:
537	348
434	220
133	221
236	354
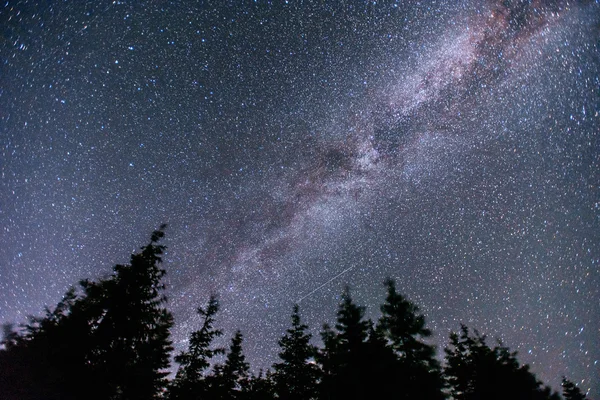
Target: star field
294	147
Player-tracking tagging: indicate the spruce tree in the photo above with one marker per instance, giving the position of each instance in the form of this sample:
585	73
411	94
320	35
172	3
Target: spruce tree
111	340
475	371
345	356
45	359
404	326
417	370
327	359
296	376
189	383
130	334
230	378
382	366
571	391
259	387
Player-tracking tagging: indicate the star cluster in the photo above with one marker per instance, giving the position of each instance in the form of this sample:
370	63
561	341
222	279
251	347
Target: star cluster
294	147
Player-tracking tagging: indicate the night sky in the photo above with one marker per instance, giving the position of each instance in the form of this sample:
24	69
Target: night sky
296	147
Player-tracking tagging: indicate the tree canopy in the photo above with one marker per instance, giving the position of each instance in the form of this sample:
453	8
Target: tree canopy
110	339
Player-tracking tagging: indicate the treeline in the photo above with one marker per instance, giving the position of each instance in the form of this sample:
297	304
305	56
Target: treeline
111	340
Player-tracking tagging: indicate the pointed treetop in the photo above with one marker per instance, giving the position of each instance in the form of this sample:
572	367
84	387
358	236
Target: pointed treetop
158	234
571	391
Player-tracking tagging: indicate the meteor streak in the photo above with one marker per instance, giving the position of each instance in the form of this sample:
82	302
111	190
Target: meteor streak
329	281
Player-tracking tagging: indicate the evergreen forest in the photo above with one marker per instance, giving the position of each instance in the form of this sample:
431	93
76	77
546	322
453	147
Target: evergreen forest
110	339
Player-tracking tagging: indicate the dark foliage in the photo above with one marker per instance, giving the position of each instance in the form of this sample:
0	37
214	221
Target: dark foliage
259	387
112	337
229	380
190	382
296	375
571	391
345	354
110	341
475	371
415	366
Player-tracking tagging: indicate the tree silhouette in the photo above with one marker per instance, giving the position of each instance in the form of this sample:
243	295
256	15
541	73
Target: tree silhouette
189	383
475	371
296	376
382	366
110	341
417	371
36	361
230	378
259	387
571	391
131	343
345	355
327	359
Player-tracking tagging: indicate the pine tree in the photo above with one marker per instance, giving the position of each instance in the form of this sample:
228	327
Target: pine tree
475	371
112	337
327	359
382	366
404	327
131	331
345	357
571	391
229	379
296	376
417	370
259	387
44	359
189	382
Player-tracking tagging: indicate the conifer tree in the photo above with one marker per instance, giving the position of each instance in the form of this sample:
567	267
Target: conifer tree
190	382
296	376
417	370
571	391
131	342
404	326
259	387
346	353
382	370
229	379
476	371
112	337
327	359
45	358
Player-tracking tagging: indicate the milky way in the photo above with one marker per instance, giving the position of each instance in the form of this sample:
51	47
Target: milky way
297	148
